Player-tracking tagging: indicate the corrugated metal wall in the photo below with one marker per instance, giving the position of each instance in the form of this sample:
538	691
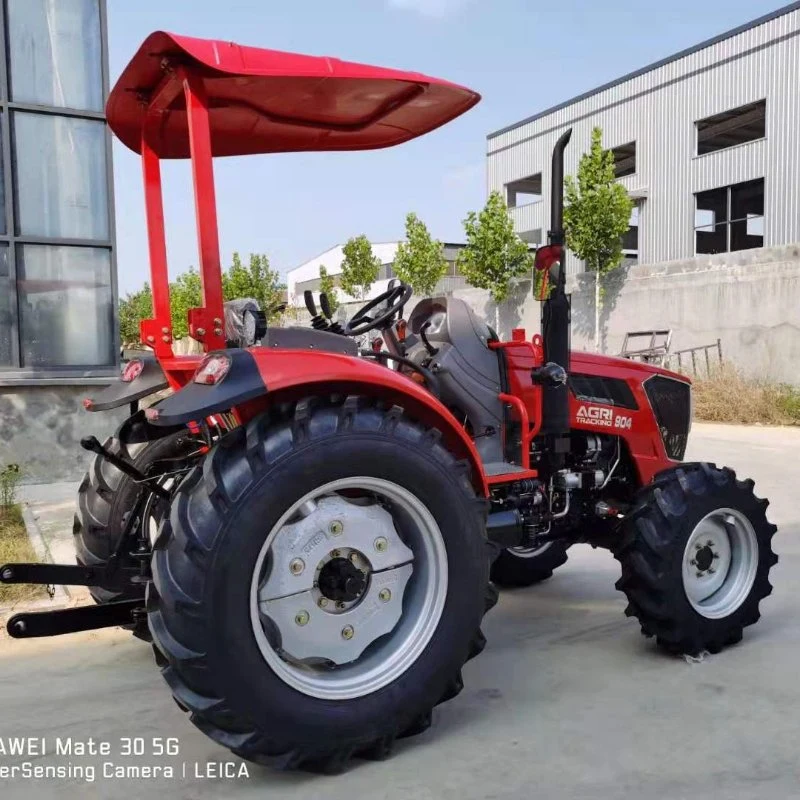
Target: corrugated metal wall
658	110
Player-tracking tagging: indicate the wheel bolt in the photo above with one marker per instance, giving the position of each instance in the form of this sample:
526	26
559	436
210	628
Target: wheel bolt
347	632
322	602
301	618
354	557
385	595
709	543
698	547
297	566
381	545
693	563
711	570
699	575
339	604
335	554
336	527
716	555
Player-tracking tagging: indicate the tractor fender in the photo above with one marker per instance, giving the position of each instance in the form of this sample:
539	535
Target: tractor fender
259	377
149	378
196	401
290	375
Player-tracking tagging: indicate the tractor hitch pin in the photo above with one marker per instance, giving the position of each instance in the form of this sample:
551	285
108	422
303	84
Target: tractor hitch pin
91	444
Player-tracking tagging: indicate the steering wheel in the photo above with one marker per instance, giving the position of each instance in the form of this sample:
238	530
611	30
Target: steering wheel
395	298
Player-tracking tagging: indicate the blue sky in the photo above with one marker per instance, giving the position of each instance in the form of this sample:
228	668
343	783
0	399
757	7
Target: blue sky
521	55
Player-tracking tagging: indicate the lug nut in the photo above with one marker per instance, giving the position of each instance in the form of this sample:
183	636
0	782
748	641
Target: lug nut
335	527
322	602
711	570
716	555
301	618
709	543
381	545
698	547
385	595
693	563
335	554
699	575
347	632
297	566
339	604
354	557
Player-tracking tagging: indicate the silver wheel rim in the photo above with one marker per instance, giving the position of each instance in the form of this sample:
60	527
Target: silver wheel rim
720	563
530	552
303	634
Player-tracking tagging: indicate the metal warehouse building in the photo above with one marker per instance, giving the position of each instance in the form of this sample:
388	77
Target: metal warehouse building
707	142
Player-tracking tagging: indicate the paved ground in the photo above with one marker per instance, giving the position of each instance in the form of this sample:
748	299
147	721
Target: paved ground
567	701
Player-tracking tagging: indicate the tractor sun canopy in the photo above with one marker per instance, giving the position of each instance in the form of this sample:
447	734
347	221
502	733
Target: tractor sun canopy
181	97
268	101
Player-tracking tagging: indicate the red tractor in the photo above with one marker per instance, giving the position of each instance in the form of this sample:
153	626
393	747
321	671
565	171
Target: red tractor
310	533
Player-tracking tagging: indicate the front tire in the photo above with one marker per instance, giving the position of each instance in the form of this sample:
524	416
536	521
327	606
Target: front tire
696	555
518	566
249	574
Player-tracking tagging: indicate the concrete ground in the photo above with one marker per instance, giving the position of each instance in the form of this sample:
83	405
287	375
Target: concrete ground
568	700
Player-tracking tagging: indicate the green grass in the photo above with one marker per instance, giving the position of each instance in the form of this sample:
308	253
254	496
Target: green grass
15	546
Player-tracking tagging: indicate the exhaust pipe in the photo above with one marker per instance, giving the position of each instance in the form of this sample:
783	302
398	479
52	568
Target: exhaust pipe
556	308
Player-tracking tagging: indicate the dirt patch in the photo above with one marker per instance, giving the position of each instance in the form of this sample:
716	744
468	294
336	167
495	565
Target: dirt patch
15	546
729	396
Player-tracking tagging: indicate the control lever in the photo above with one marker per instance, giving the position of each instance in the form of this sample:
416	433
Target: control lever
432	351
318	323
333	327
91	444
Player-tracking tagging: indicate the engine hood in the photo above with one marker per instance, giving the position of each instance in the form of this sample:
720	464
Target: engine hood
597	362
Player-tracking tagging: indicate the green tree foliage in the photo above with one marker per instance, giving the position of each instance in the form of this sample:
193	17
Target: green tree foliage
420	259
134	307
257	280
327	285
359	267
184	293
597	215
494	254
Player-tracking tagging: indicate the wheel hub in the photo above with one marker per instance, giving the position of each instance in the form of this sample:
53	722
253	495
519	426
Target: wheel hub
340	580
704	558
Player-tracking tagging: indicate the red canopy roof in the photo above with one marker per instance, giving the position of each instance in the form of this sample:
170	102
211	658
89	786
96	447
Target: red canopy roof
267	101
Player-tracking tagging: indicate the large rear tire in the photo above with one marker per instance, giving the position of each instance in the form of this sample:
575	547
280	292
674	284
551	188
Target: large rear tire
253	626
696	554
105	497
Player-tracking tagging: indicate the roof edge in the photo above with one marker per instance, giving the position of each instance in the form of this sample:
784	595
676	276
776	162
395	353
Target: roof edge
772	15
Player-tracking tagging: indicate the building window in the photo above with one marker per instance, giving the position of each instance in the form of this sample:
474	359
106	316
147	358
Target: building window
65	306
737	126
60	176
55	53
730	218
532	237
630	241
624	159
524	191
56	239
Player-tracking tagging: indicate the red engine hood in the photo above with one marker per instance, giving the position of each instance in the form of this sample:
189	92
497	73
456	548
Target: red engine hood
596	362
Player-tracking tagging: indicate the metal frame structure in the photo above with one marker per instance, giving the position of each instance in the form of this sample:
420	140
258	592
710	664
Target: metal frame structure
16	374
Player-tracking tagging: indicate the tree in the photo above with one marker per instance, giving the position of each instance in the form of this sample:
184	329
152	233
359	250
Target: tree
420	259
596	217
327	286
494	254
133	308
257	280
359	267
184	293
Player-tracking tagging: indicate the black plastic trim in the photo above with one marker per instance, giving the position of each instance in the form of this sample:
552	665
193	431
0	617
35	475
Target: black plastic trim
671	402
196	401
150	380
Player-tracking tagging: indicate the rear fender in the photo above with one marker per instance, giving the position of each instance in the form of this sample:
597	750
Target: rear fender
291	375
151	379
262	377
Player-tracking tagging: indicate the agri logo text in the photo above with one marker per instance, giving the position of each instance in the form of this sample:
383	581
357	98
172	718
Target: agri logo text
603	417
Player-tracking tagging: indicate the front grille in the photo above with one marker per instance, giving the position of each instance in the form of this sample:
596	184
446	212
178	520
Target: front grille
672	406
596	389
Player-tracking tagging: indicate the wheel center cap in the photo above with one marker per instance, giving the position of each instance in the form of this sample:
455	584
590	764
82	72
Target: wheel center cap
704	558
341	581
